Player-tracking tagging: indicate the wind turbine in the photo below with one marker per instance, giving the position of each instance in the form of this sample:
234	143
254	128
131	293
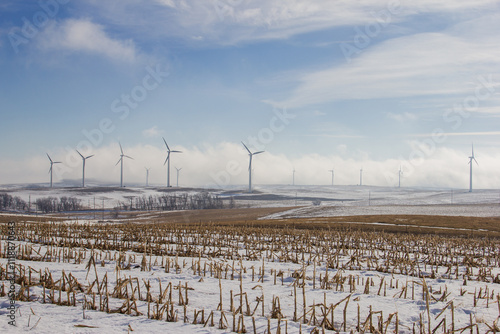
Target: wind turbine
470	163
121	163
250	166
50	170
400	173
361	176
83	169
168	160
178	170
147	176
332	171
293	176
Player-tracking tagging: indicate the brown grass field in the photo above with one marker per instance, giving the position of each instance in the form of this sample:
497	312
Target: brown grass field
416	224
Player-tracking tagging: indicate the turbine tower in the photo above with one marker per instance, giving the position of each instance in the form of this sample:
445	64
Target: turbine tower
399	174
50	170
168	160
83	168
293	177
470	163
121	165
178	170
332	171
250	166
361	176
147	176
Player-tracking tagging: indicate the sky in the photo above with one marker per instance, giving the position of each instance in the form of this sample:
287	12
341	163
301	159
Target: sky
318	85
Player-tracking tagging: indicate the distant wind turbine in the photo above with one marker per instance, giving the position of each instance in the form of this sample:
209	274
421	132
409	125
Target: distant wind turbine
470	163
168	160
250	166
361	176
332	171
83	168
293	177
400	173
120	161
147	176
178	170
50	170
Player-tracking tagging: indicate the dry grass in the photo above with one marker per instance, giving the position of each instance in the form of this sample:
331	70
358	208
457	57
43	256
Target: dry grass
414	224
214	243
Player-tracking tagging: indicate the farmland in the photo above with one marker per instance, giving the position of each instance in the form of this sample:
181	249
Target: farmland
255	270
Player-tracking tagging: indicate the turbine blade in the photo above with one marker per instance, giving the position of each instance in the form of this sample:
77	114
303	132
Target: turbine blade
119	161
246	148
126	156
57	162
80	154
176	151
50	169
168	156
258	152
90	156
49	157
168	148
121	149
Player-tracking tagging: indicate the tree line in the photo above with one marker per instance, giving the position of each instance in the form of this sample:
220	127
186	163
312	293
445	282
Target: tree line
167	202
43	204
12	203
54	204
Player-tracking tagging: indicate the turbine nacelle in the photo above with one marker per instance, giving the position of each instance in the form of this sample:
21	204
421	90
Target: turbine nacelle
250	154
122	155
84	158
52	162
83	169
472	156
169	151
470	163
168	160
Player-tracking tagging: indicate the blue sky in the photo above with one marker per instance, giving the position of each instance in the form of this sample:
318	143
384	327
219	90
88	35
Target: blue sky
361	85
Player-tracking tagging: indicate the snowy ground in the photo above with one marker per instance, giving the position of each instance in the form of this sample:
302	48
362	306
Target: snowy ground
388	293
474	301
336	200
475	210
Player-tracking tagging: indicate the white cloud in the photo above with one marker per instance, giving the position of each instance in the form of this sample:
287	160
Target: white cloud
225	164
234	21
458	134
81	35
318	113
402	117
425	64
342	148
152	132
168	3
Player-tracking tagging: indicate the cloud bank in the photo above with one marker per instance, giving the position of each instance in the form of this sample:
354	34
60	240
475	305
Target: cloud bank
226	164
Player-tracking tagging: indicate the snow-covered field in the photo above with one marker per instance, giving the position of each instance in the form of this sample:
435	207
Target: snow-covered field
336	200
337	280
430	284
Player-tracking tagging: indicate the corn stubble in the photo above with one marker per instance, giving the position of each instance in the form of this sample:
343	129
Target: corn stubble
330	261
